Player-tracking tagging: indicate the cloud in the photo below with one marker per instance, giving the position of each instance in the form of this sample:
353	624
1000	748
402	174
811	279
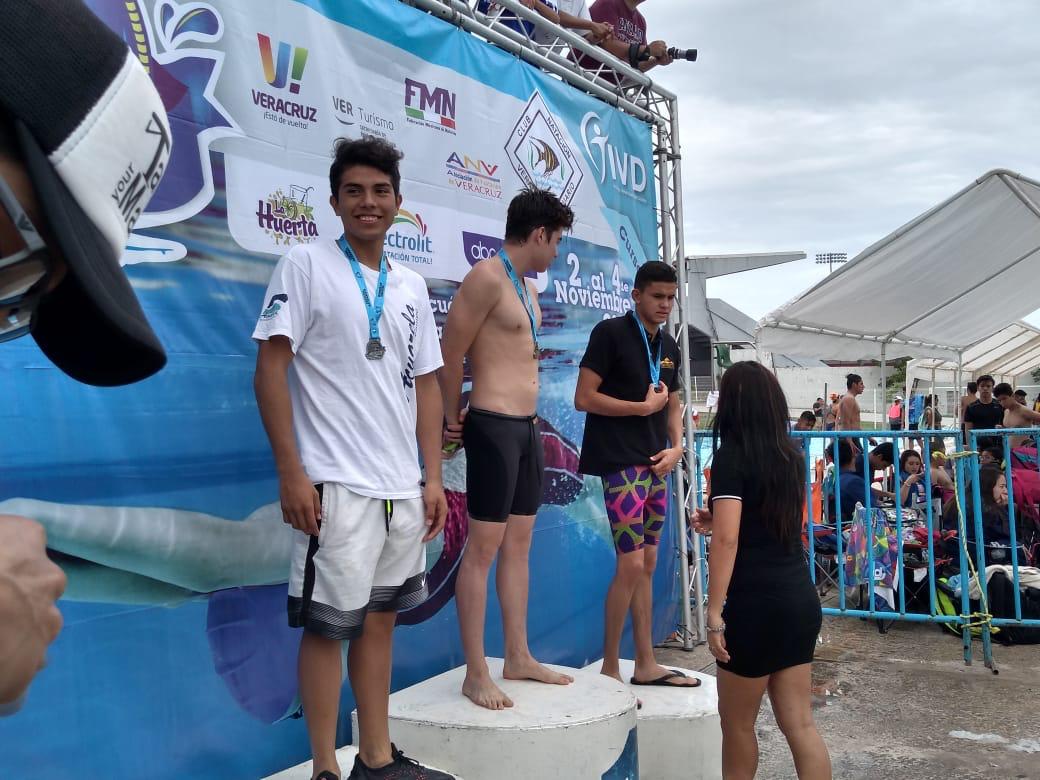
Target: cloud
824	126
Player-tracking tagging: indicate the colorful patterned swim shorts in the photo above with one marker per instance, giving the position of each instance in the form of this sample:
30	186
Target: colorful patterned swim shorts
636	499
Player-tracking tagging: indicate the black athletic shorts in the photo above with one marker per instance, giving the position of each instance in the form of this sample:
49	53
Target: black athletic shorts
504	464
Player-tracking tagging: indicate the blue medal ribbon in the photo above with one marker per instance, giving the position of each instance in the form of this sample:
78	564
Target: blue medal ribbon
375	348
522	293
655	364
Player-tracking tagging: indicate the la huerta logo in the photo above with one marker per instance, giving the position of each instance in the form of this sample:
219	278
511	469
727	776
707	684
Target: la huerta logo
408	240
288	218
276	69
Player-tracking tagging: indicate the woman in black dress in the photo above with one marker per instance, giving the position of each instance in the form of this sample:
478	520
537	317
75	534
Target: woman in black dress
763	613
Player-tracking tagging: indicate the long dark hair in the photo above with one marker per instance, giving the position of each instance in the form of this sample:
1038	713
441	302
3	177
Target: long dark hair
752	418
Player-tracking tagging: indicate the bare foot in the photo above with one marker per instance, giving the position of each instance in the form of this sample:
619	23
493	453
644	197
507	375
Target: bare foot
484	693
657	671
530	669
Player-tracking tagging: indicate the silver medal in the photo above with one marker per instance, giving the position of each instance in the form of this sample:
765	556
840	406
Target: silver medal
374	349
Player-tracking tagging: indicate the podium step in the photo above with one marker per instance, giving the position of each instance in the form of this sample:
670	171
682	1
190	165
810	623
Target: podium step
344	755
582	731
678	730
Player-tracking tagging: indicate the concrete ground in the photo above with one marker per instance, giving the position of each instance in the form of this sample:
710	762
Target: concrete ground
904	705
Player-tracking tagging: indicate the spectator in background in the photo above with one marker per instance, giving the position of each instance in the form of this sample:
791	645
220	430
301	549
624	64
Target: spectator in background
806	422
77	111
817	408
1020	396
853	487
831	416
574	15
895	414
628	42
912	488
1016	415
1036	403
986	413
931	419
967	400
913	419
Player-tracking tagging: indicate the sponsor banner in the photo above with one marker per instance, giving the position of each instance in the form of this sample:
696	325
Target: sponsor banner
161	499
271	208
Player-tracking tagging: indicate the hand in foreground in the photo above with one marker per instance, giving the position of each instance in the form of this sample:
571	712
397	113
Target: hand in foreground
29	585
663	462
435	505
301	506
702	520
655	400
658	49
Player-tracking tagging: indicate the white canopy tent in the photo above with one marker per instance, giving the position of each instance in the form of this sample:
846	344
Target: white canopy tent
935	288
1011	351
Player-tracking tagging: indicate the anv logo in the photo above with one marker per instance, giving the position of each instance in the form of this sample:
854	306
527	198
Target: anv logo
624	168
276	71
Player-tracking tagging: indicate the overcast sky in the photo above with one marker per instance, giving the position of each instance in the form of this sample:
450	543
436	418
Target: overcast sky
823	125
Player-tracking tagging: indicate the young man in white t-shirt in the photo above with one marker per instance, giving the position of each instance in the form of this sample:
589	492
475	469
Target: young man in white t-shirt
347	392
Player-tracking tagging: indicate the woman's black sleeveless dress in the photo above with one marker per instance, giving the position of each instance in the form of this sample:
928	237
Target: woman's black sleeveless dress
772	611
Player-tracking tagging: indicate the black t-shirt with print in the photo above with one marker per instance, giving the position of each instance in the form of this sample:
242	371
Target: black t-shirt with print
617	352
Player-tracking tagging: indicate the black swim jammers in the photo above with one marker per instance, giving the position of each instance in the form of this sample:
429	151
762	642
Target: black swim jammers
504	464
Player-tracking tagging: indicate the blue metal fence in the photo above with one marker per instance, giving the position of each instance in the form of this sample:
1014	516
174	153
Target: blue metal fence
966	564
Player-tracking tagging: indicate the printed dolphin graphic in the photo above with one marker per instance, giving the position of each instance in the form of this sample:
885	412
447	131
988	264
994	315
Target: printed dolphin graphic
274	306
546	155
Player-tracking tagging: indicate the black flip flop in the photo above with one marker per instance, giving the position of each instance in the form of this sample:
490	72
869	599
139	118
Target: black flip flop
662	681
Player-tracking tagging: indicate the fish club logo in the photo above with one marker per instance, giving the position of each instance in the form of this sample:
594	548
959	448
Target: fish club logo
287	217
540	153
283	66
473	176
408	239
431	107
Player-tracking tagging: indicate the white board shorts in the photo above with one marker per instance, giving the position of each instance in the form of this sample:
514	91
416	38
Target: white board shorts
368	556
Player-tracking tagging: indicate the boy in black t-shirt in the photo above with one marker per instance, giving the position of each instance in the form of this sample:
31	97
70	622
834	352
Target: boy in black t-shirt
628	384
985	414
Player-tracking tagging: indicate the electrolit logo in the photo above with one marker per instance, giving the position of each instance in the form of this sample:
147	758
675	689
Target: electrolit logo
408	239
624	169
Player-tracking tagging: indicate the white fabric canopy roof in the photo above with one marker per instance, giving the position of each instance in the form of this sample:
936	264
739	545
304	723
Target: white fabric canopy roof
1011	351
931	289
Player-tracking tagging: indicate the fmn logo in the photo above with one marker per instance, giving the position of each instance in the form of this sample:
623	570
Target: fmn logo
540	153
432	107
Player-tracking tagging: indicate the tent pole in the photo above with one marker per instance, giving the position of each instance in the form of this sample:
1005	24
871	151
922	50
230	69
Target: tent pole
884	381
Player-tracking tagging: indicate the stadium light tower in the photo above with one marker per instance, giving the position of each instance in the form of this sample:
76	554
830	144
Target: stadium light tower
830	259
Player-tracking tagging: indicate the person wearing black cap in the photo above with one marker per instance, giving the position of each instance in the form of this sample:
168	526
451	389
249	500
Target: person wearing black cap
84	141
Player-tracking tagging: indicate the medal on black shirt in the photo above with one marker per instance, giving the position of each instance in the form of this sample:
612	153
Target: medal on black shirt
374	349
653	363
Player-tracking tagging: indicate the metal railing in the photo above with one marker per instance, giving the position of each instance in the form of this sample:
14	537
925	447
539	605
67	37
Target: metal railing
960	552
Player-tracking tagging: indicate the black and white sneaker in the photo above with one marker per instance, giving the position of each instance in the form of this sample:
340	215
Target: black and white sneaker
401	768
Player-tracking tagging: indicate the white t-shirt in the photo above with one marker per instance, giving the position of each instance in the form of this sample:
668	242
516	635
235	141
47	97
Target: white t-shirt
573	7
354	418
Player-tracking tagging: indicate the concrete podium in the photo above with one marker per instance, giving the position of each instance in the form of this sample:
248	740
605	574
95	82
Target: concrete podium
344	755
583	731
678	730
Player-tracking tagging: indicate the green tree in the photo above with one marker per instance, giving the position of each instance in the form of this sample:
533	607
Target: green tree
1035	373
895	383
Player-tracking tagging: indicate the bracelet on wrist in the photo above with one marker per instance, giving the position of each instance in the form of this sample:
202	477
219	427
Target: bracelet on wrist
719	629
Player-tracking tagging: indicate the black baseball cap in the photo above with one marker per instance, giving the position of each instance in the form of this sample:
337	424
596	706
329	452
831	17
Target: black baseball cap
95	140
